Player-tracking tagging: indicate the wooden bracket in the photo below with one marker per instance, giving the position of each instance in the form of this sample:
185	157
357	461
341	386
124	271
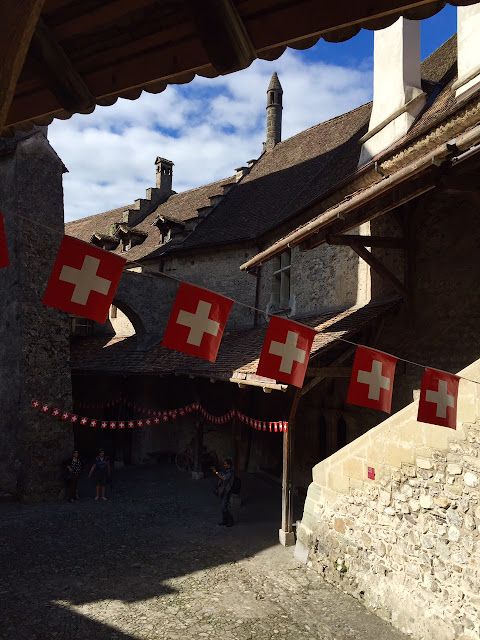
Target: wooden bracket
17	24
65	82
223	34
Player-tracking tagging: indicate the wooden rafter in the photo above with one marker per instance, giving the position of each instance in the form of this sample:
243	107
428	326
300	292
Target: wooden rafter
223	34
17	24
65	82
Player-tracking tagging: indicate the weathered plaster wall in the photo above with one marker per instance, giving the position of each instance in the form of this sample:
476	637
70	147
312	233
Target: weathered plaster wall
34	350
406	543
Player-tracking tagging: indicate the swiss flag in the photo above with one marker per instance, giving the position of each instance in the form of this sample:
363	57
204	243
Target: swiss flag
156	420
83	420
438	399
35	404
4	261
131	424
285	351
371	384
84	280
93	423
197	322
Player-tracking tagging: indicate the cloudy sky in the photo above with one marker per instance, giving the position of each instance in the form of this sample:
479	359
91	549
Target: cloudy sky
209	127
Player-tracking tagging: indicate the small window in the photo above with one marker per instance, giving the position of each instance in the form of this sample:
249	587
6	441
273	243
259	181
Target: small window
113	311
81	327
280	293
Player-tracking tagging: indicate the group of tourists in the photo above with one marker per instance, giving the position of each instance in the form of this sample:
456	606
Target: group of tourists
100	472
227	483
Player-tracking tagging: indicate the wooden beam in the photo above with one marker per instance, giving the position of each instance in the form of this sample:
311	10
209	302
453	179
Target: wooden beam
17	24
65	82
367	241
223	34
287	537
329	372
382	270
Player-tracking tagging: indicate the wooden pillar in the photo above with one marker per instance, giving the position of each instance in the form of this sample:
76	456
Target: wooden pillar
197	473
286	534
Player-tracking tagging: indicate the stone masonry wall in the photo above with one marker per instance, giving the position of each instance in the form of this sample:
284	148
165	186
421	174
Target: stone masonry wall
35	349
407	543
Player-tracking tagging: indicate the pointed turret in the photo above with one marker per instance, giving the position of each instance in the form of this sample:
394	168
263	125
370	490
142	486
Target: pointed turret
274	112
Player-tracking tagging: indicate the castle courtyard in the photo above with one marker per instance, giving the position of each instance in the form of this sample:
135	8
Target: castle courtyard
151	562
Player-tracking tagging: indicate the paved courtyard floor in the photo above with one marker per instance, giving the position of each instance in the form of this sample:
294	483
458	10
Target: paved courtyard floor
152	563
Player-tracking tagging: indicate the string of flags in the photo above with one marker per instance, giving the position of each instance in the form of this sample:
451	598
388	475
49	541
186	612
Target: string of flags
160	416
84	280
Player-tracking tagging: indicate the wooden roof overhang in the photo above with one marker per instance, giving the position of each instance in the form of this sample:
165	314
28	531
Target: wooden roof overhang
406	184
60	57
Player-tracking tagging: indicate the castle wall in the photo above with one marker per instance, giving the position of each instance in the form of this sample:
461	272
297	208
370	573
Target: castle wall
34	349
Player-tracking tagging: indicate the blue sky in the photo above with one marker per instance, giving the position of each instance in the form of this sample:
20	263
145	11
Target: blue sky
210	126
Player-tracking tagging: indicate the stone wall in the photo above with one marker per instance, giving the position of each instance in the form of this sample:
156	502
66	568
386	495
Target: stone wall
407	542
34	350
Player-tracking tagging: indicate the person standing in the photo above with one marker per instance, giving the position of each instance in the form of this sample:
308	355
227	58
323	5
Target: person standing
226	476
101	471
74	467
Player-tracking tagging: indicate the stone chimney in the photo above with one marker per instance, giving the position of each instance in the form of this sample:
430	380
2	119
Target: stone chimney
274	113
397	91
164	177
468	43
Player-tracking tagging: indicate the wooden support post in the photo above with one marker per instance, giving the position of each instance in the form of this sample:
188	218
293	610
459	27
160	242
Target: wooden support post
381	269
286	534
17	24
197	473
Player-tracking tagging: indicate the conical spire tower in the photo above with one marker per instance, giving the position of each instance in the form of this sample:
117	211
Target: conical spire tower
274	112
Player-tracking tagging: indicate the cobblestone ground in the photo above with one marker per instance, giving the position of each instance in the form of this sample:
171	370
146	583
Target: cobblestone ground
152	563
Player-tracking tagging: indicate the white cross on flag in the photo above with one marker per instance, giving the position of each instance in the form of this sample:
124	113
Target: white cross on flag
197	322
285	351
83	420
371	384
84	280
438	399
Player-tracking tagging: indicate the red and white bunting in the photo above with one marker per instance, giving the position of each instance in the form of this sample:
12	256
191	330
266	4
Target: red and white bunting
103	424
74	418
371	383
93	423
139	423
35	404
83	420
4	260
285	351
131	424
438	399
197	322
121	424
56	412
84	280
113	424
66	415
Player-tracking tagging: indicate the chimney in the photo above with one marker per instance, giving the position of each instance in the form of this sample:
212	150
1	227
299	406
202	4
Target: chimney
164	177
468	29
274	113
397	91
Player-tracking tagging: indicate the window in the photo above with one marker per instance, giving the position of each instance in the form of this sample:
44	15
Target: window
113	311
280	294
81	326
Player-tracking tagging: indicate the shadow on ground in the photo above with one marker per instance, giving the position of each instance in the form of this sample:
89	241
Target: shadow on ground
157	524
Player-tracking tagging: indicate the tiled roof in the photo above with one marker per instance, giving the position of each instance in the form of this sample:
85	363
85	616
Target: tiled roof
239	351
179	207
286	179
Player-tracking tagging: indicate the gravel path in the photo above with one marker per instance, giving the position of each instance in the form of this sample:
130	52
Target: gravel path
151	563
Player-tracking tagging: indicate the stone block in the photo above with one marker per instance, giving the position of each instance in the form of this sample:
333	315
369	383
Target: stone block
339	525
466	411
338	483
396	455
424	463
410	432
454	469
375	452
353	468
301	552
286	538
436	437
470	479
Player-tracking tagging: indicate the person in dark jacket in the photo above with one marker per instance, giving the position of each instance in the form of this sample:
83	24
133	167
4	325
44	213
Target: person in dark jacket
101	471
225	476
74	469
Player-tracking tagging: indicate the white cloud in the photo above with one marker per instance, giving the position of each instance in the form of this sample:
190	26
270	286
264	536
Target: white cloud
207	128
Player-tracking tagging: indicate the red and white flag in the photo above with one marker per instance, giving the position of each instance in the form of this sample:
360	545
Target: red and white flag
113	424
83	420
286	351
371	384
4	261
93	423
55	412
74	418
104	424
66	415
196	322
84	280
156	420
438	399
121	424
139	423
131	424
35	404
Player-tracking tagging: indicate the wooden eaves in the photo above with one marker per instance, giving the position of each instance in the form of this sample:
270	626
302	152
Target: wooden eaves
59	57
402	186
